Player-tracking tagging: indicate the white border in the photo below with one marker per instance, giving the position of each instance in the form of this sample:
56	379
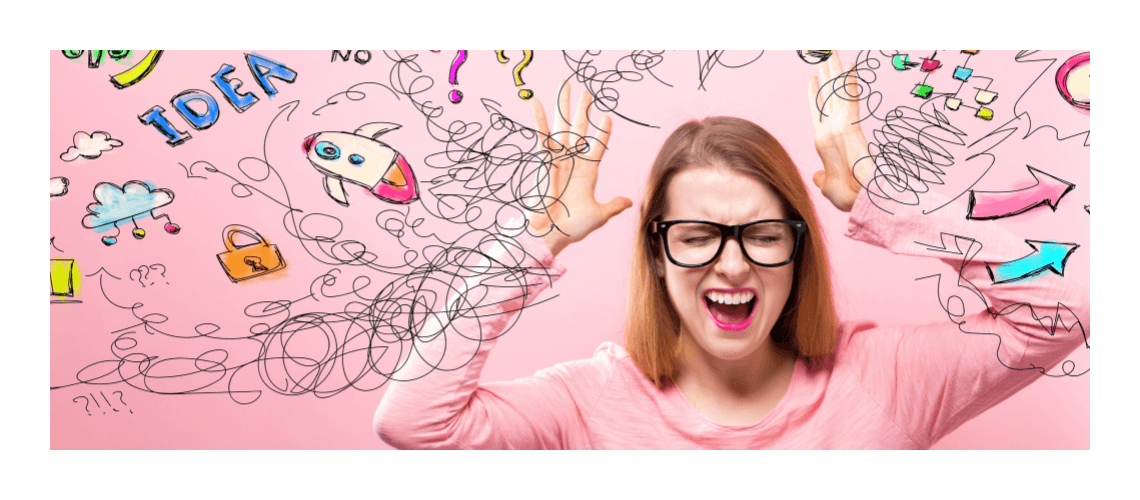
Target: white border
33	28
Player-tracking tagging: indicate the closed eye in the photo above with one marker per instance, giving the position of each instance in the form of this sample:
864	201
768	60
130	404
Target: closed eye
697	240
764	239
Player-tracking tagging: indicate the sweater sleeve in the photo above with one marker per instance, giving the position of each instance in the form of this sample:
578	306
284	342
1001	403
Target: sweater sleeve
435	400
930	379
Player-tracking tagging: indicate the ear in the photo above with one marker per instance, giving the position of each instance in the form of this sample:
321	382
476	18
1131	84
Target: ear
376	129
659	264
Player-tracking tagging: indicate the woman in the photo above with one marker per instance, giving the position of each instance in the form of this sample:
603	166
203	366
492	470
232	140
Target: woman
732	340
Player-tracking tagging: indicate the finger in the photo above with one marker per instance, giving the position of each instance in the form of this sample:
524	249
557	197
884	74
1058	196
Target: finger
562	123
851	82
616	206
601	140
813	99
540	122
818	178
547	143
581	123
834	66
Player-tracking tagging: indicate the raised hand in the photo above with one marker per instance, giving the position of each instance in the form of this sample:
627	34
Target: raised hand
571	212
839	138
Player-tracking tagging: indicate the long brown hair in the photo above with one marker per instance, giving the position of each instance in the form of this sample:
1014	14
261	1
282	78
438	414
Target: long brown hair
808	323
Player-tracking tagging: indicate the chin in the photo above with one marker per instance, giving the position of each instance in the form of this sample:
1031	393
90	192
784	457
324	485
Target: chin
733	346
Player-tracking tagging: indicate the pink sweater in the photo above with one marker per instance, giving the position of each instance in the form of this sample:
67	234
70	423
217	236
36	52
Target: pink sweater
887	387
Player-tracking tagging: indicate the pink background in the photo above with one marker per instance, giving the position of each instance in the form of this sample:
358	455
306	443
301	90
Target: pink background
1051	413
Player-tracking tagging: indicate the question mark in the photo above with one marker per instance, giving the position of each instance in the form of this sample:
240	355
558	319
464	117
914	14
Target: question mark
453	77
140	270
528	56
163	273
121	400
86	403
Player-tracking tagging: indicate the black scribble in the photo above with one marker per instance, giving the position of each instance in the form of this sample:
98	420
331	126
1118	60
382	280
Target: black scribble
910	152
190	170
61	251
863	75
955	307
912	147
915	148
492	176
353	94
252	167
707	60
1087	210
630	68
101	270
368	340
1024	57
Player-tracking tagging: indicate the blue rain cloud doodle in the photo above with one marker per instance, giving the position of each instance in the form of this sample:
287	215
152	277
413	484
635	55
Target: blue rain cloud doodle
115	205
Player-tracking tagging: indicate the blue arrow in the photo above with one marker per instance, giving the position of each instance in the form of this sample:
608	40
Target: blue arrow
1047	255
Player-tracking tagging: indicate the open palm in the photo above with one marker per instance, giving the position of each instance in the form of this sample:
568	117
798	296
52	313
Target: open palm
571	211
839	138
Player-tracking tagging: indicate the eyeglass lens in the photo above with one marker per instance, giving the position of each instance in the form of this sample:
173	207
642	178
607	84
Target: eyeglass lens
696	243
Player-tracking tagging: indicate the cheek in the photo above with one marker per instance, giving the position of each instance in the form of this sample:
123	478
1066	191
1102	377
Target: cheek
778	286
682	288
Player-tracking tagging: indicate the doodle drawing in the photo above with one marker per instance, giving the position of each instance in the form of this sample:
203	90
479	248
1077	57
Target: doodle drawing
1073	79
248	261
114	205
57	186
65	281
89	146
359	158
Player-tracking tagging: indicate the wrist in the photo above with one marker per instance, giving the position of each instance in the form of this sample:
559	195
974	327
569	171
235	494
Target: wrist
859	159
555	242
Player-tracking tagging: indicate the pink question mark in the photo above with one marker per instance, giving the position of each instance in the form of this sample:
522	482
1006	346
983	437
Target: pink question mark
453	77
86	403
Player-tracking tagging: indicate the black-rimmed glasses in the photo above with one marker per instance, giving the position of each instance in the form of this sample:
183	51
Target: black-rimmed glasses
697	243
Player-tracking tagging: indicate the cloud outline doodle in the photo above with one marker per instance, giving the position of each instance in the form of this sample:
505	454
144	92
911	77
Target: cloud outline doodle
57	186
89	146
110	206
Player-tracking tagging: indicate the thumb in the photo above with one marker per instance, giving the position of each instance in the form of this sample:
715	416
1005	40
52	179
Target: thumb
818	178
616	206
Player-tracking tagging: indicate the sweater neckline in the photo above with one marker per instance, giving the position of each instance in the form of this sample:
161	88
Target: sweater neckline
687	406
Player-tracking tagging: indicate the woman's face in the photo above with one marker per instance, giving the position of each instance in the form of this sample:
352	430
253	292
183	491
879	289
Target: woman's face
725	196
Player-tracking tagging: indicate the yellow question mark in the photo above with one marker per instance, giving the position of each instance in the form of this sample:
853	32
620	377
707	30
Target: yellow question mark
528	56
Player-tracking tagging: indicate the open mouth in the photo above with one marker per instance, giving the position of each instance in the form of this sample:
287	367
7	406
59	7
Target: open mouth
731	311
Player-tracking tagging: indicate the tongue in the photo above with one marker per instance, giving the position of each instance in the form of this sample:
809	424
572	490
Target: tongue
731	314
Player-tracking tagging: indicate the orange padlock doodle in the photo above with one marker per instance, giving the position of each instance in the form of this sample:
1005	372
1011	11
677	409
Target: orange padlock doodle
248	261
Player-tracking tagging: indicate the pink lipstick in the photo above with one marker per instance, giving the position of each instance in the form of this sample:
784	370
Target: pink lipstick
726	314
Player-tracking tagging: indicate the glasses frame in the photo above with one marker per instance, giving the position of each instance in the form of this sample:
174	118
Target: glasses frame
662	227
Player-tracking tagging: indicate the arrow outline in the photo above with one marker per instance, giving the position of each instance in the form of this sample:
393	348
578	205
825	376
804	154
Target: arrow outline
1033	172
1037	251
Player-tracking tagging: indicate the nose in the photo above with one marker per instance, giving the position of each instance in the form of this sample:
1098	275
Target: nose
731	264
308	144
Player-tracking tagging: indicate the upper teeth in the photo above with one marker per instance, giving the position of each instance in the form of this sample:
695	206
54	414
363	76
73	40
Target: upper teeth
729	298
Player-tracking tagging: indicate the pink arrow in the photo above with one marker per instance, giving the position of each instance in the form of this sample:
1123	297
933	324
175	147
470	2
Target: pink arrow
997	204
